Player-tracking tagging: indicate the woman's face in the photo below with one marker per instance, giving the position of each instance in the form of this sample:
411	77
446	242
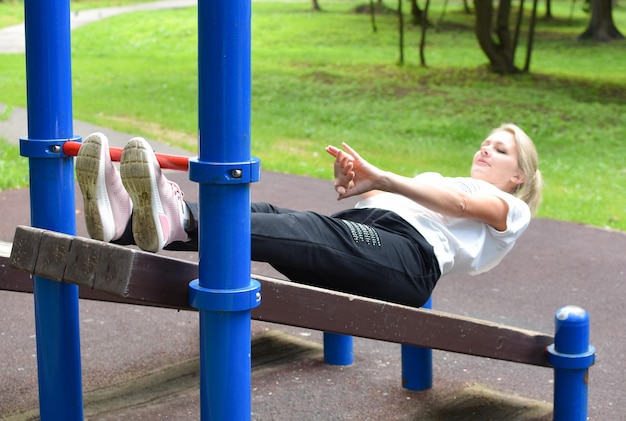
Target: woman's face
496	161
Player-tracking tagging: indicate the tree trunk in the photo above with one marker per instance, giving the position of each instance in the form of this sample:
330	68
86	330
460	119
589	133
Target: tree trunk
416	12
401	29
531	36
423	39
549	9
601	26
466	7
373	16
502	30
315	6
500	54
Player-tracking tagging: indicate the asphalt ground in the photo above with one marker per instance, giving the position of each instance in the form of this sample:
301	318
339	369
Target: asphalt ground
142	362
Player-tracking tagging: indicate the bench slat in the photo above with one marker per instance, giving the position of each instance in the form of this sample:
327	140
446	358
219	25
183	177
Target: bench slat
139	277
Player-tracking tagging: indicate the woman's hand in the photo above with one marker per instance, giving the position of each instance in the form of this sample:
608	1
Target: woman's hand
353	174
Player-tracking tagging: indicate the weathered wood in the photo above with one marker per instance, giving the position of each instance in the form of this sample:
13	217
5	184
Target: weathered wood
289	303
102	266
151	279
18	280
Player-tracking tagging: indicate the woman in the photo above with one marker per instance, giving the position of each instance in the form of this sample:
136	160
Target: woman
393	245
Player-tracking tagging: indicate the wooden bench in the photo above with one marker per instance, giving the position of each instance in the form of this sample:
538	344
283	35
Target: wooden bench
113	273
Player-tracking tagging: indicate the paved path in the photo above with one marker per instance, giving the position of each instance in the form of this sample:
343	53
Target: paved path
12	37
128	351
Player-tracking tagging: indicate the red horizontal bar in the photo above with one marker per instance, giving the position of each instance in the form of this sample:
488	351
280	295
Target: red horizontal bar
166	161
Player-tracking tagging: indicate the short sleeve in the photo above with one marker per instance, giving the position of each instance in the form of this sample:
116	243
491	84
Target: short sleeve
517	220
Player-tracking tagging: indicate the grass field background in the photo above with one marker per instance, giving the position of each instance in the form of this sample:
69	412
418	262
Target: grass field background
320	78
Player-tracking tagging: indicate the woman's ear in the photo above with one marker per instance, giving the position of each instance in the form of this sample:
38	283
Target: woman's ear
518	178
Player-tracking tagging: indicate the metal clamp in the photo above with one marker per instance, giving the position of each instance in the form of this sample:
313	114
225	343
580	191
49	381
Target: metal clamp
224	172
571	361
45	148
218	300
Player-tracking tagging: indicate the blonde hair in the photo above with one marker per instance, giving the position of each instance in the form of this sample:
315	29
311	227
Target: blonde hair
528	161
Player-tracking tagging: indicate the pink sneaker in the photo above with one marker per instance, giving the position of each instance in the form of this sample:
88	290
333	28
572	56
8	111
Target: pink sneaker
159	214
107	204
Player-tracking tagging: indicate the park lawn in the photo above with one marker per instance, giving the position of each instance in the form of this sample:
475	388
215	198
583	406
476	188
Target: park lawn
320	78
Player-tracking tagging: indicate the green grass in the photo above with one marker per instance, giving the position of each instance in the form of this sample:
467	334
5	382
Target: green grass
322	78
14	169
11	13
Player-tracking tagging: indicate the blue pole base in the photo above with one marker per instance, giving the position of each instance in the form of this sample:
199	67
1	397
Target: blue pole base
225	349
571	356
417	364
338	349
417	367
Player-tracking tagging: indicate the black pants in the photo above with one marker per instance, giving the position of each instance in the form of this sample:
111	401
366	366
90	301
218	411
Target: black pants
367	252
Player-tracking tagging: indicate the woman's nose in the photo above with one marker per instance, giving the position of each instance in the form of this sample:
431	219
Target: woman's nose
485	151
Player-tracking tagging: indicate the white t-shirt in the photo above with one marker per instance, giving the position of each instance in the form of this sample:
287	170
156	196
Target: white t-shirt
461	245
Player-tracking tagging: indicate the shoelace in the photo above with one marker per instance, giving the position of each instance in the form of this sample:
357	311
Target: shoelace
178	195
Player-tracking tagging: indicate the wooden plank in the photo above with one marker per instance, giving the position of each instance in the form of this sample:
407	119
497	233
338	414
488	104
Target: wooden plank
289	303
18	280
104	267
158	280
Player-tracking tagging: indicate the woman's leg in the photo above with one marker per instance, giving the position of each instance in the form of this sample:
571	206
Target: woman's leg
192	228
340	253
345	255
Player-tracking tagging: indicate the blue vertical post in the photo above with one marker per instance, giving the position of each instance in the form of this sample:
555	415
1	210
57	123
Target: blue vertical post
571	356
49	96
338	349
224	294
417	364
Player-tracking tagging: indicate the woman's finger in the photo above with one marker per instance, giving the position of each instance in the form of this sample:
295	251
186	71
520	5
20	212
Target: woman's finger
352	152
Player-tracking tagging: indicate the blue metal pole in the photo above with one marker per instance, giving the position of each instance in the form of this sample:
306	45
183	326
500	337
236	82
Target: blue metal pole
417	364
224	292
571	356
338	349
49	96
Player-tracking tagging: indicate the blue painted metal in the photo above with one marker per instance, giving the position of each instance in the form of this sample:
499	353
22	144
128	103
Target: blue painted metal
225	172
42	148
338	349
224	292
571	356
417	364
49	96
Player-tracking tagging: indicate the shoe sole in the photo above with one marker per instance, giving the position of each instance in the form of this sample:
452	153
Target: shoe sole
90	177
140	182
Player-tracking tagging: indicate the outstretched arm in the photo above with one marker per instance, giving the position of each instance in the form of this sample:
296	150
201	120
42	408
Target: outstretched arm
355	176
